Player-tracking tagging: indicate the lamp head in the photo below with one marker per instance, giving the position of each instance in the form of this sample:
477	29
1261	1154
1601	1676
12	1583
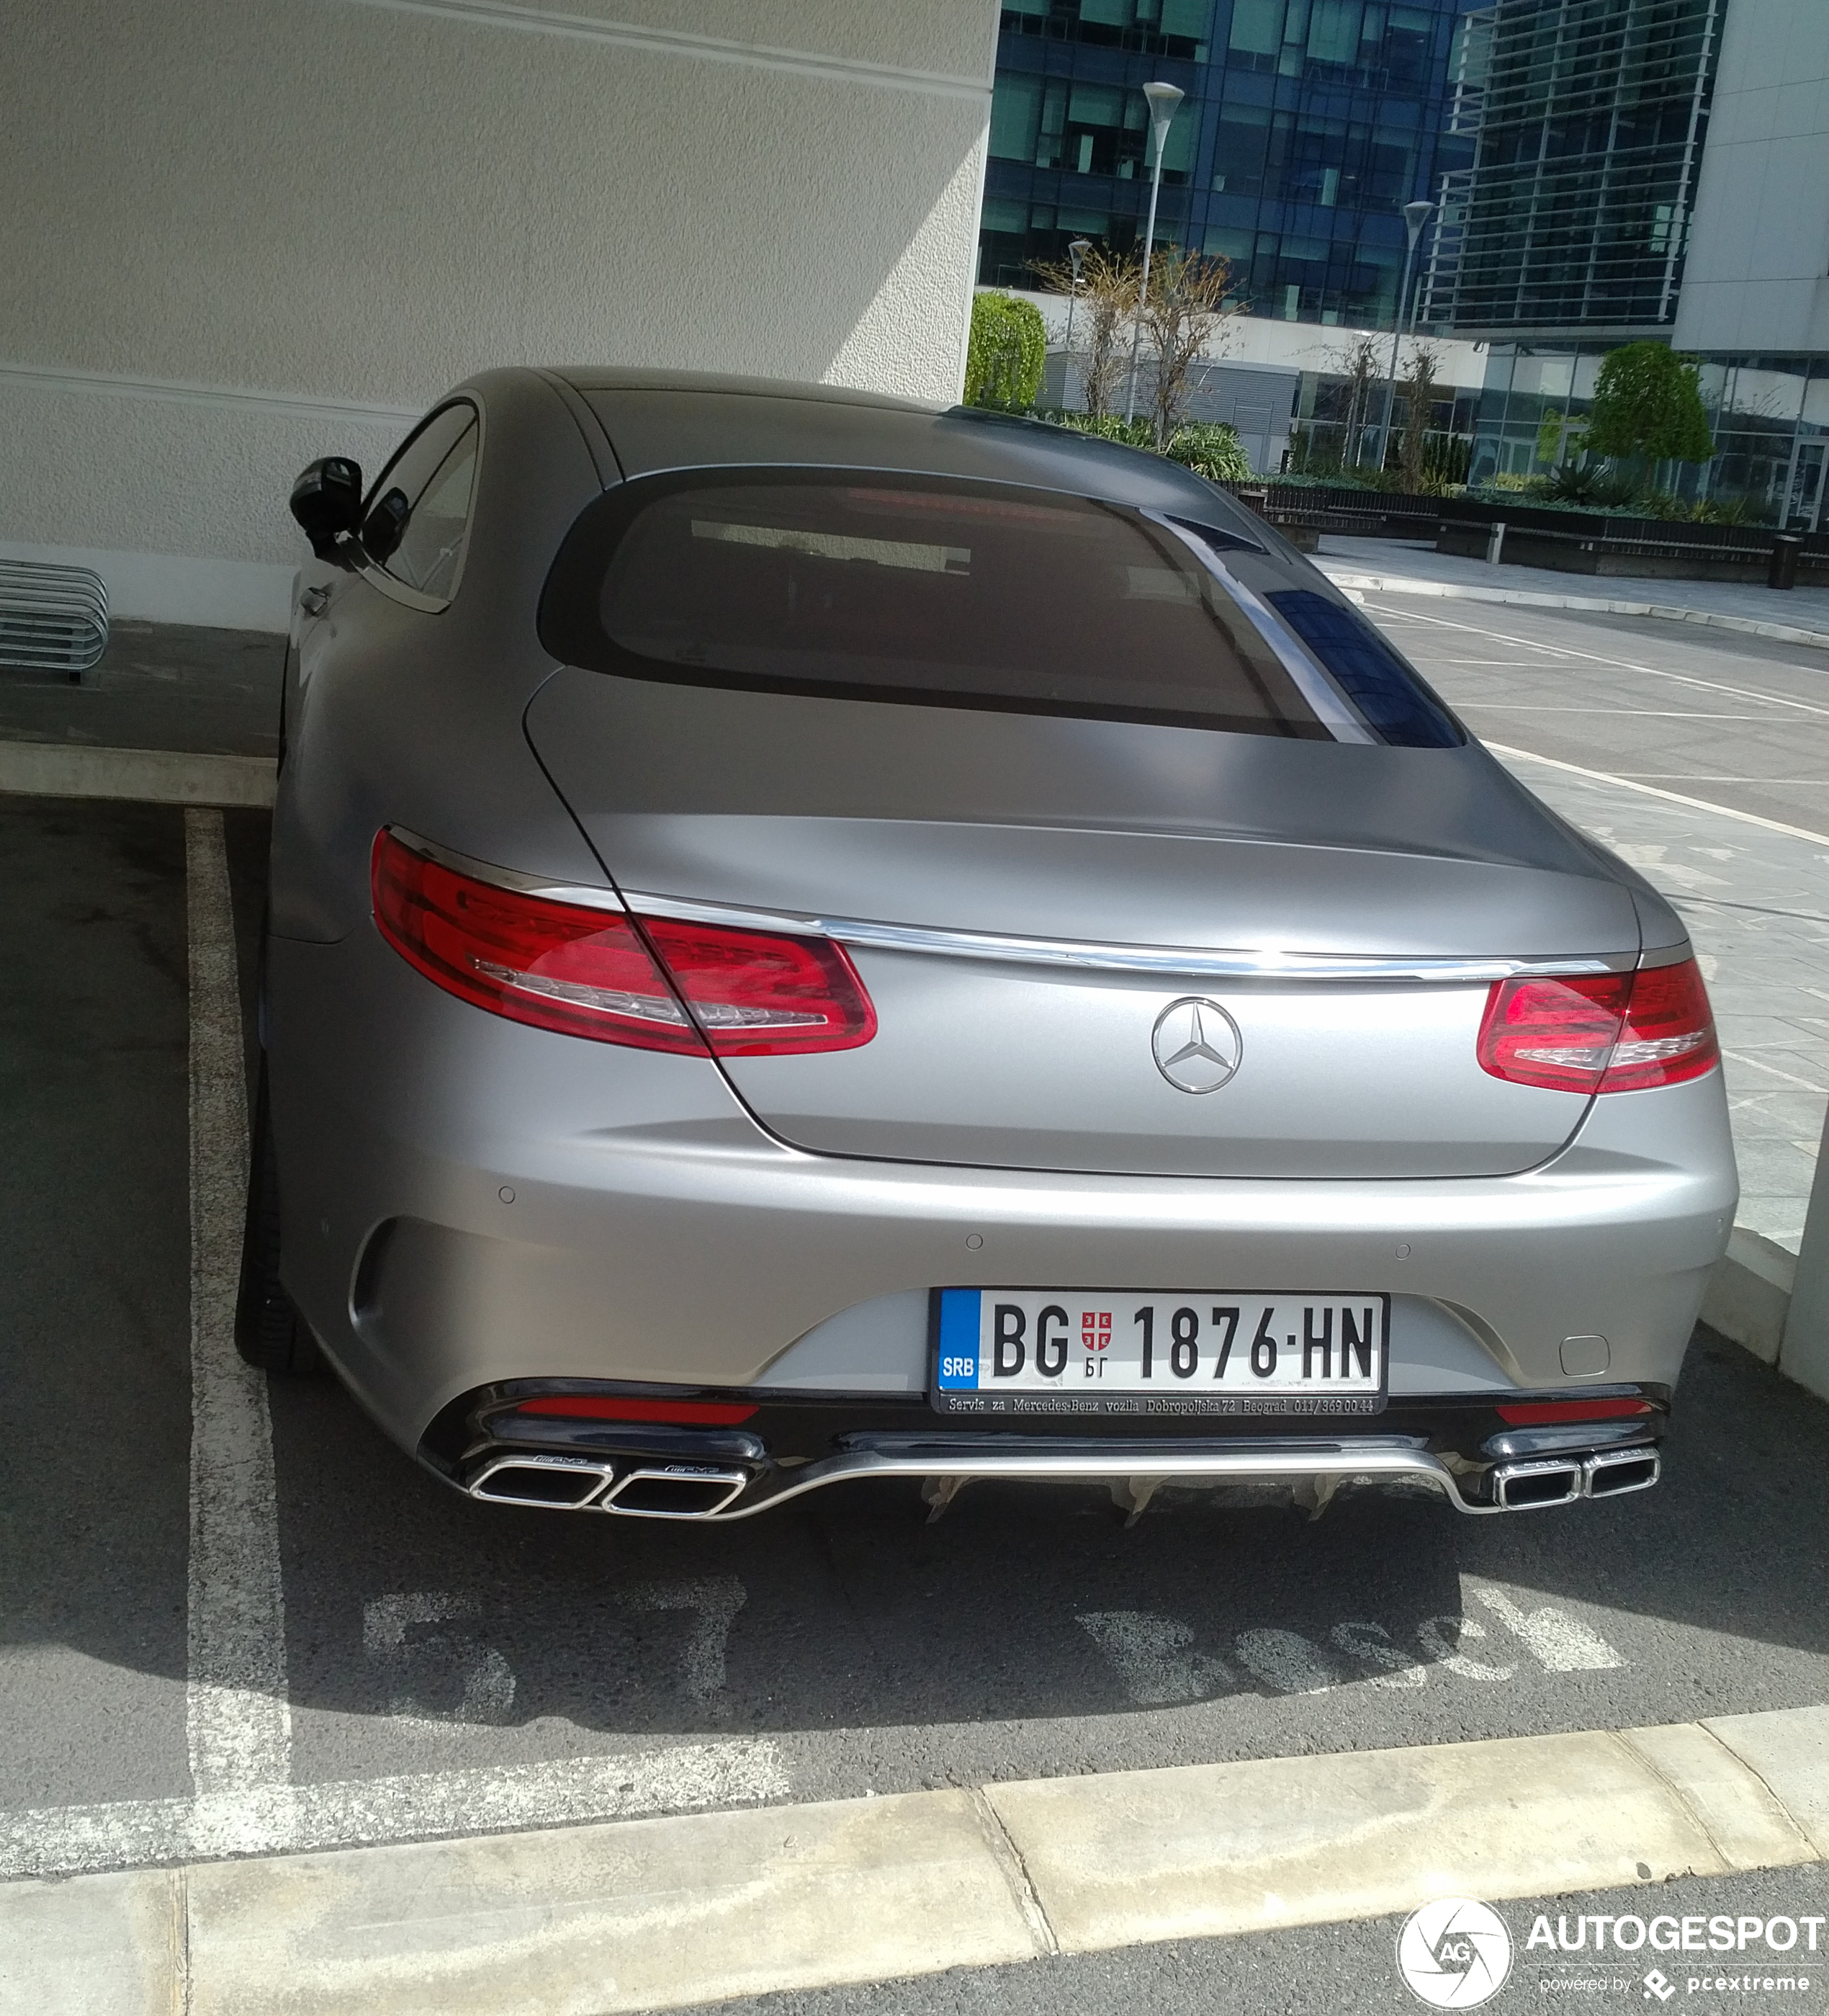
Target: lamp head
1163	98
1076	252
1415	216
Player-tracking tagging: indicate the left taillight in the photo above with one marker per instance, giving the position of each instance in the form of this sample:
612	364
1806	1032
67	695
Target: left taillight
653	983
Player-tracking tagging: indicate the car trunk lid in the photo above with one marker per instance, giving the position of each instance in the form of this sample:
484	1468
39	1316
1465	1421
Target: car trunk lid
1046	911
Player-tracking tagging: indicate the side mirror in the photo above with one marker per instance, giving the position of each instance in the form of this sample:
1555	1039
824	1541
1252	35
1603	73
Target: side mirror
327	501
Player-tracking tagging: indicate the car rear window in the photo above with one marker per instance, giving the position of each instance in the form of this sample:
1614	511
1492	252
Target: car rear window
963	594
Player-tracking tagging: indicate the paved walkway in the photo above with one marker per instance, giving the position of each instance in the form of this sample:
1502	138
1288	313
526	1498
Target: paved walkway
1628	741
1400	566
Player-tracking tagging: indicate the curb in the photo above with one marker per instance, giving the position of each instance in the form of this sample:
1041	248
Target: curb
1747	1301
664	1913
1594	605
152	777
1749	1294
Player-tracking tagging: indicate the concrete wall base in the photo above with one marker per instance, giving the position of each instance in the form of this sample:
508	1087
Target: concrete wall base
1748	1301
179	587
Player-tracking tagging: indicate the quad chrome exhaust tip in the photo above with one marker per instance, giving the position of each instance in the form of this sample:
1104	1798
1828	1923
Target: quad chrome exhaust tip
1547	1480
675	1491
557	1483
659	1490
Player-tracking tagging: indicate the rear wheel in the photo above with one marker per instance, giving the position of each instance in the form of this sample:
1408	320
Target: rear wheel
269	1332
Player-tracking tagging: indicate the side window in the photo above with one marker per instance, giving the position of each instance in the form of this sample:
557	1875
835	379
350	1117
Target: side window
417	515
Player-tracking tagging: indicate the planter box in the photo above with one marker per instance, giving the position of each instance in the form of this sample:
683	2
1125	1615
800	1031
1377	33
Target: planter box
1621	555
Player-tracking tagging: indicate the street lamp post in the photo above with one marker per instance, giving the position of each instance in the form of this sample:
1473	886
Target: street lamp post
1076	253
1163	98
1415	216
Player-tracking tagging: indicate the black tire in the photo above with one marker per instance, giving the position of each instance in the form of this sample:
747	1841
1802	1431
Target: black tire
269	1332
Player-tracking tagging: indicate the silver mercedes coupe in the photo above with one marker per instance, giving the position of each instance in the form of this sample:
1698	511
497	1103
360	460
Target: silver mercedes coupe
814	937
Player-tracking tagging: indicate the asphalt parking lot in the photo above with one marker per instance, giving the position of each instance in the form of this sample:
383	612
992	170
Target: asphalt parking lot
431	1665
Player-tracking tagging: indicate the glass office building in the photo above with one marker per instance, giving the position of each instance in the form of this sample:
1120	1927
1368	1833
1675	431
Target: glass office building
1568	236
1308	124
1769	416
1590	117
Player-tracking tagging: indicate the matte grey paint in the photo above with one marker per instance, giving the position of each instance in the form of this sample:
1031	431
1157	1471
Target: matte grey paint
659	1230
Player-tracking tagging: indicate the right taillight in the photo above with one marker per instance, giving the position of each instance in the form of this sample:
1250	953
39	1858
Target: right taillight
1614	1032
648	982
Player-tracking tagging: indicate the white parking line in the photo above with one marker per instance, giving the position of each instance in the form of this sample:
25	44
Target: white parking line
1630	665
237	1720
287	1819
1657	791
238	1716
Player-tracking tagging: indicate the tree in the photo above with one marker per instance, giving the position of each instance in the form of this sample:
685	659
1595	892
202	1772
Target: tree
1419	394
1006	354
1357	362
1185	306
1109	287
1647	402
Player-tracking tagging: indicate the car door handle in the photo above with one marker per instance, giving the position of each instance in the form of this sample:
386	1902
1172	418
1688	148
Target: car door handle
313	600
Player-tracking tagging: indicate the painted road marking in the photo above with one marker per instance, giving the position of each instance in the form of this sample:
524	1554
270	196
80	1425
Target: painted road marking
1629	665
286	1819
238	1724
713	1600
237	1717
1159	1665
1657	791
1151	1656
486	1686
396	1636
662	1913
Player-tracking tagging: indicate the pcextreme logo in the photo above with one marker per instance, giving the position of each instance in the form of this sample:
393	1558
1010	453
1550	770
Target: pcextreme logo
1454	1953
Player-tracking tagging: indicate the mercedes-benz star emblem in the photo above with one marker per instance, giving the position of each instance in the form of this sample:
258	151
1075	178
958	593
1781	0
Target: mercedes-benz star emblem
1197	1045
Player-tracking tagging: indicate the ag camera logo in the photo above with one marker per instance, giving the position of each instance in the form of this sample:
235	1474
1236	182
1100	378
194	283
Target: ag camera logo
1454	1953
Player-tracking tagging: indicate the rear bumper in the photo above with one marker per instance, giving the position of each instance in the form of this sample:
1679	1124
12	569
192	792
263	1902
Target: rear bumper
724	1475
468	1202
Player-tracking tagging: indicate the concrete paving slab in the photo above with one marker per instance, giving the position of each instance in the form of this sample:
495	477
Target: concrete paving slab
1232	1847
1734	1804
150	776
97	1945
649	1914
1789	1748
678	1912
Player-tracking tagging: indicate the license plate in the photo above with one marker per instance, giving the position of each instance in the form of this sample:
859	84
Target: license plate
1042	1351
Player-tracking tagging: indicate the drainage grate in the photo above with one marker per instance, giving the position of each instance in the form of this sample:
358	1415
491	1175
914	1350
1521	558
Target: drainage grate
52	619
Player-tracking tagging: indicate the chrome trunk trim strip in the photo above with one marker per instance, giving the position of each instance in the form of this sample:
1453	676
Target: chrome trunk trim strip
1083	956
1235	964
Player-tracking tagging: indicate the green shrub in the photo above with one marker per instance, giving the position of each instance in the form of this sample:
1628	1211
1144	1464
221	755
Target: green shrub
1212	449
1107	427
1740	510
1578	482
1007	354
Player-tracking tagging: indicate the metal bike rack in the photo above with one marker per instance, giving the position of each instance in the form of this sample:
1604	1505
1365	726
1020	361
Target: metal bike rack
51	618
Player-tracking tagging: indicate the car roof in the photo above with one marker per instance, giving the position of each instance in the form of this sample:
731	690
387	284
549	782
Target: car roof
658	420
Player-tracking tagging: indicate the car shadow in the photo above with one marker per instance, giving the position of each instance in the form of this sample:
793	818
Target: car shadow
1246	1627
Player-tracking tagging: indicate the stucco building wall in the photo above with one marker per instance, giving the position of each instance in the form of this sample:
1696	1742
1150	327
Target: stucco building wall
240	233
